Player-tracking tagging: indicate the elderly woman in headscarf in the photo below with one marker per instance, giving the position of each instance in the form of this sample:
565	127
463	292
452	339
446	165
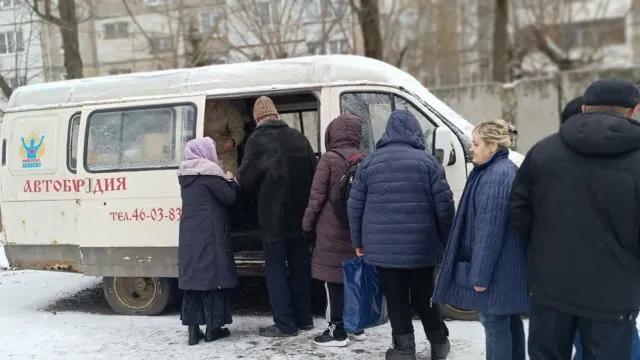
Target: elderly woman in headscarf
205	256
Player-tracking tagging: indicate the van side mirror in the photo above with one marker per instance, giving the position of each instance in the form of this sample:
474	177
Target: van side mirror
442	144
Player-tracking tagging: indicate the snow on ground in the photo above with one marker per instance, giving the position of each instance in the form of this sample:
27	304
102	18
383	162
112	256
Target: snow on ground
28	332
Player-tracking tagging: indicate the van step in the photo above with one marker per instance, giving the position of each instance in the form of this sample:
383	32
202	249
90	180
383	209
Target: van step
250	263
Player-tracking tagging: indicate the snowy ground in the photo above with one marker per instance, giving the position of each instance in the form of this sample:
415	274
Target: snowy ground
29	332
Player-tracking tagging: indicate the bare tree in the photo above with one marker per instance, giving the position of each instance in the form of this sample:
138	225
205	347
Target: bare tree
18	43
259	29
552	35
67	22
500	40
368	12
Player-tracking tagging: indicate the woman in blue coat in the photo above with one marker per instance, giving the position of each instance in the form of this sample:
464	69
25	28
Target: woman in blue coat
484	263
206	266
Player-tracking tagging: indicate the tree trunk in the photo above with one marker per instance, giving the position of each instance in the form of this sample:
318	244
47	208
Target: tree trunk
6	88
369	16
70	43
500	40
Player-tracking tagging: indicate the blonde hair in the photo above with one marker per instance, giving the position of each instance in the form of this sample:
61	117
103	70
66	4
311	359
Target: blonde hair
495	132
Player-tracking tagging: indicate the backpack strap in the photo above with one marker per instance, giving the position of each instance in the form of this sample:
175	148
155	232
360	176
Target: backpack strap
335	152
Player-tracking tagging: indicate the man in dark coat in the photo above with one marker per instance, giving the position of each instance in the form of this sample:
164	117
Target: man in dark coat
400	214
573	107
278	165
575	205
333	243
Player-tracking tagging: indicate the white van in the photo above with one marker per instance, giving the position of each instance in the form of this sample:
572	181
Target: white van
88	178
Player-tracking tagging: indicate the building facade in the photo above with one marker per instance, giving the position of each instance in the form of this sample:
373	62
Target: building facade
21	53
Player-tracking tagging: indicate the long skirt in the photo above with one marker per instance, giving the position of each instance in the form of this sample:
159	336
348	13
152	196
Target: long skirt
211	308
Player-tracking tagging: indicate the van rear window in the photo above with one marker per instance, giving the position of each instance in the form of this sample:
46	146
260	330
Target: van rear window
138	138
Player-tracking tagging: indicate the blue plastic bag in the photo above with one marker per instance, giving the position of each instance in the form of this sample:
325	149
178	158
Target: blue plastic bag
364	304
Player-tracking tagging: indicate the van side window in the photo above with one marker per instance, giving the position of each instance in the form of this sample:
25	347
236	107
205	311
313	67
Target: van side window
374	109
72	143
306	122
138	138
426	124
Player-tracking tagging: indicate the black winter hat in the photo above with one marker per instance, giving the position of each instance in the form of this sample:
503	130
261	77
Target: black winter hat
574	107
612	92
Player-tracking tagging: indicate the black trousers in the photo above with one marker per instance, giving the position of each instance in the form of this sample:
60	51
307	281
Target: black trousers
412	289
335	304
290	296
551	335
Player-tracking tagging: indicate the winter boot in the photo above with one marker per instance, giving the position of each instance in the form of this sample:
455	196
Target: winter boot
404	348
195	334
440	351
215	334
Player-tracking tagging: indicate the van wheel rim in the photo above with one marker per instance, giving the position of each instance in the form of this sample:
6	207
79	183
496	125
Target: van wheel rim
136	293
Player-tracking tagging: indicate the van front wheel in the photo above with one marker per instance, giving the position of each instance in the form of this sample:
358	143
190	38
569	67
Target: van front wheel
138	295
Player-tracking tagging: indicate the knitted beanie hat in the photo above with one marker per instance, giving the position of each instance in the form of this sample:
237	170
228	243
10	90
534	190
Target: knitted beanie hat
264	106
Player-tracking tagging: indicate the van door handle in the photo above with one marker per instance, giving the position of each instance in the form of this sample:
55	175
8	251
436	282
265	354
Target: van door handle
88	185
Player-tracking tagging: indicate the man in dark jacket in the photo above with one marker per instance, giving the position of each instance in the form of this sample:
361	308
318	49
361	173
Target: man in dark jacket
575	205
278	165
573	107
400	214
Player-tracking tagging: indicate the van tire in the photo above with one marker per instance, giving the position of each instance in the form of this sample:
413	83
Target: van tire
453	313
138	295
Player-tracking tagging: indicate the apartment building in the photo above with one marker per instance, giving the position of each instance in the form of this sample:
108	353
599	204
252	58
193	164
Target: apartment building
586	33
118	37
21	58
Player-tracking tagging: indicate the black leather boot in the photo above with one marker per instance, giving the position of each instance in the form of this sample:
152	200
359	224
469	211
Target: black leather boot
404	348
215	334
195	334
440	351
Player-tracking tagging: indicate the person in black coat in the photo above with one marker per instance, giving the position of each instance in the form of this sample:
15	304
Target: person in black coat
278	166
573	107
575	203
206	264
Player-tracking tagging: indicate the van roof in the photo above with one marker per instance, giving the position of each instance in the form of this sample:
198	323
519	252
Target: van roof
270	75
229	78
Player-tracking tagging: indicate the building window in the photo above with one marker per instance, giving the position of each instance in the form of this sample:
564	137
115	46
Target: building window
312	10
4	4
11	42
139	138
161	44
263	12
116	30
211	22
119	71
72	143
314	48
339	47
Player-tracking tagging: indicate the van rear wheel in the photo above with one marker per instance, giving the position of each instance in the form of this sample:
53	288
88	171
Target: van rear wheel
138	295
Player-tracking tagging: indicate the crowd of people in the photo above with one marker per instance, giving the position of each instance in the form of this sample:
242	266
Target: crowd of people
557	238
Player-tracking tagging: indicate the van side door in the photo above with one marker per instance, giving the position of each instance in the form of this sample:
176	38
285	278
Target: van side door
129	197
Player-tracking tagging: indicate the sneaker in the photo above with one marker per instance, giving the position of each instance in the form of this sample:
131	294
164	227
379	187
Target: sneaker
274	332
332	338
359	336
